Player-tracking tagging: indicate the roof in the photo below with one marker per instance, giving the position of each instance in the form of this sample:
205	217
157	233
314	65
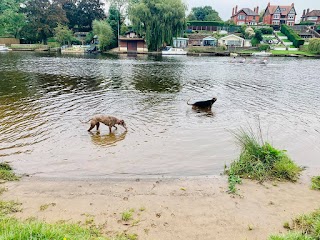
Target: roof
130	39
313	13
231	35
209	38
284	9
247	11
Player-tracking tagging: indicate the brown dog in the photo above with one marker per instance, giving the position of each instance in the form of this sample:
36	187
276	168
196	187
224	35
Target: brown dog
107	120
203	104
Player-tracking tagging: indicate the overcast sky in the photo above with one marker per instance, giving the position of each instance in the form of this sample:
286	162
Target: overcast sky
224	8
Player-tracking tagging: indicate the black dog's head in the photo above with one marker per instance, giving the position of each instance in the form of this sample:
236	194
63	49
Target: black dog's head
213	100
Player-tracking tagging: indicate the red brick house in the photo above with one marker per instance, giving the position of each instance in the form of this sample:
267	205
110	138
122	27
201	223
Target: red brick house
277	15
313	16
245	16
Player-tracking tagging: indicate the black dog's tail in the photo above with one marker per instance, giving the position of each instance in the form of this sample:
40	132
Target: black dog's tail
188	102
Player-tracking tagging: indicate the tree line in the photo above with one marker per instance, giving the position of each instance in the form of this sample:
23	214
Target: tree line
158	21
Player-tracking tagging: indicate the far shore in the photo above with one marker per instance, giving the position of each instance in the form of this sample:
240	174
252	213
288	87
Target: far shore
184	208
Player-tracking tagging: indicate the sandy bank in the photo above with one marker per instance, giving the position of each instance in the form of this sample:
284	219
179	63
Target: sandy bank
167	208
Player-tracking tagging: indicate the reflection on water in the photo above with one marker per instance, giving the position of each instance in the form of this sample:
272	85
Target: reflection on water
106	139
43	97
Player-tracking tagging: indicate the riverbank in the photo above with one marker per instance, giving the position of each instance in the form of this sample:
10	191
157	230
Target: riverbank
187	208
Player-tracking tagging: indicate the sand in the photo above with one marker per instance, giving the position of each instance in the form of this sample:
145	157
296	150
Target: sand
186	208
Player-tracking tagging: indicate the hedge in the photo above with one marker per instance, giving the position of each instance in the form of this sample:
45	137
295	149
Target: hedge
206	23
314	45
292	35
266	30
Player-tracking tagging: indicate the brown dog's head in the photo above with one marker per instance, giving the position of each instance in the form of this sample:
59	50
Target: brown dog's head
123	124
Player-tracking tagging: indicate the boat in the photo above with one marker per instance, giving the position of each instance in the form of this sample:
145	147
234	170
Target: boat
168	50
262	54
3	48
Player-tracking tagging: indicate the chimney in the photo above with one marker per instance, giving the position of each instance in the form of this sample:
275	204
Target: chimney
304	13
292	4
257	10
254	9
268	4
232	11
236	10
308	10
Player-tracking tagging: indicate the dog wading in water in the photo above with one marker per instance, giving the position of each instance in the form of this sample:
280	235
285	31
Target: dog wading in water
110	121
203	104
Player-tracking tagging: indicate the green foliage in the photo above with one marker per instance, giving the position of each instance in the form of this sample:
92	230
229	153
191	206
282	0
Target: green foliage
126	216
306	23
158	20
11	18
63	34
292	35
258	35
205	13
104	32
254	42
87	12
305	227
11	228
6	173
315	183
9	207
260	161
205	23
266	30
314	45
264	47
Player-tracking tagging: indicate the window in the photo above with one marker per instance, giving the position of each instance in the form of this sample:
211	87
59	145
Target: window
275	22
290	16
241	17
276	16
312	18
234	43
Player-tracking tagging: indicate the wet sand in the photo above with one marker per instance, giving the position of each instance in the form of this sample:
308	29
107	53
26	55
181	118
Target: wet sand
188	208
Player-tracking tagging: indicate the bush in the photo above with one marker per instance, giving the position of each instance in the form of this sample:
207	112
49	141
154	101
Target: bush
259	160
264	47
254	42
315	183
292	35
314	45
306	23
266	30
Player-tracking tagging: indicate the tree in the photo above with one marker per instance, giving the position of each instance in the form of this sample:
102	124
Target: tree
158	20
87	11
63	34
42	17
114	19
205	13
70	7
104	32
11	19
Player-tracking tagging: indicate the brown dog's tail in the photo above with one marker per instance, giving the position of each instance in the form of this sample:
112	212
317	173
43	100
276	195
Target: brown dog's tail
188	102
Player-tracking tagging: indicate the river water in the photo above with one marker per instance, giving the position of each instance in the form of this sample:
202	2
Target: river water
44	100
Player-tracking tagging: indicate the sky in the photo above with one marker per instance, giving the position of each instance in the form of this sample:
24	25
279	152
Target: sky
224	8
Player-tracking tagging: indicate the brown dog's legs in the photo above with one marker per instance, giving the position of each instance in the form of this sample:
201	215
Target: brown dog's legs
91	127
97	125
110	129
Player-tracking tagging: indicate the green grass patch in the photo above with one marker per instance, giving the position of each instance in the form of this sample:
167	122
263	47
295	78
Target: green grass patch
315	183
284	52
6	173
206	49
281	34
259	160
9	207
126	216
304	227
249	51
286	40
11	228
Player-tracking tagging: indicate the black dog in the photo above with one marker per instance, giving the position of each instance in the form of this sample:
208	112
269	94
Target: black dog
203	104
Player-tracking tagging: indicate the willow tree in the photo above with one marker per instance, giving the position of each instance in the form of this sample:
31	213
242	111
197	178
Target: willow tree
157	20
104	32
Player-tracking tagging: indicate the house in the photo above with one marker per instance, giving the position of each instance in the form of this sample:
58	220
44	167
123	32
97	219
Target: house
132	43
180	42
231	40
209	41
313	16
245	16
277	15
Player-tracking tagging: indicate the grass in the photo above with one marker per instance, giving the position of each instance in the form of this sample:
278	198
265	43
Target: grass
259	160
9	207
126	216
281	34
286	40
205	49
284	52
11	228
46	206
315	183
6	173
304	227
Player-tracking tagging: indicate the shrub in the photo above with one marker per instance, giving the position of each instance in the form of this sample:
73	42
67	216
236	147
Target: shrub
259	160
258	35
314	45
266	30
264	47
254	42
315	183
292	35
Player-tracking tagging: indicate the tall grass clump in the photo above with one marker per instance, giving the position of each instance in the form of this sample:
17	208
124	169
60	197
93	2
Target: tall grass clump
315	183
259	160
6	173
304	227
